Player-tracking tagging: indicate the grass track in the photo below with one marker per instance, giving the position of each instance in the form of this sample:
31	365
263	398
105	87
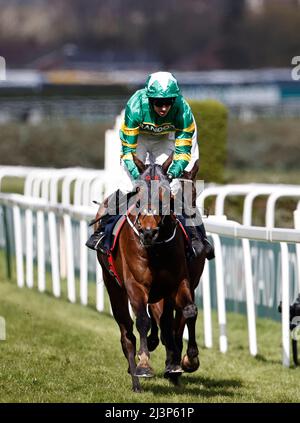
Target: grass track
60	352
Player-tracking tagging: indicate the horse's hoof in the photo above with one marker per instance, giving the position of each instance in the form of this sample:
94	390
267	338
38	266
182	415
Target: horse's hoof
173	375
189	364
152	343
173	370
144	372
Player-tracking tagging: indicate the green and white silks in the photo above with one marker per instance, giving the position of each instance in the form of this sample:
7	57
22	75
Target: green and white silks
143	124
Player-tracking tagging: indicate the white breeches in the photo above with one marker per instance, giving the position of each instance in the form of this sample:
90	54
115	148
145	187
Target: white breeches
161	149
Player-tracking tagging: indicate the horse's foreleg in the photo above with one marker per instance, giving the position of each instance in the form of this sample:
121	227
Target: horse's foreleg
178	330
173	356
128	343
119	305
184	300
187	313
143	324
155	313
190	362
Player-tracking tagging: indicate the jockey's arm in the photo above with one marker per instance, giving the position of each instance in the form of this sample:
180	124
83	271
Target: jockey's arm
185	130
129	135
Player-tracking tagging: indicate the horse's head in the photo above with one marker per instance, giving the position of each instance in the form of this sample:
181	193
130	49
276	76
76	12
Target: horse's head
154	205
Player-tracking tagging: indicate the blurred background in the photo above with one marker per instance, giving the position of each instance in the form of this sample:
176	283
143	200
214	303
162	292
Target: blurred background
72	65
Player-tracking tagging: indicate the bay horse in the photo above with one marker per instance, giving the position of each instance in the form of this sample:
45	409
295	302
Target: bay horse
157	280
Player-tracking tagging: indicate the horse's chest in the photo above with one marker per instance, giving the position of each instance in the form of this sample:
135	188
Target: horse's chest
163	285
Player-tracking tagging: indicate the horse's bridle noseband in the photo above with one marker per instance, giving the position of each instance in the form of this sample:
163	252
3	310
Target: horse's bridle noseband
135	229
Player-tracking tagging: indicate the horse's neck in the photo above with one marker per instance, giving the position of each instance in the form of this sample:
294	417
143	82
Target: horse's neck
168	226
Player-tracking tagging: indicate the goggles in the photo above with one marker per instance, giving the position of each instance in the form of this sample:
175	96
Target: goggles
160	102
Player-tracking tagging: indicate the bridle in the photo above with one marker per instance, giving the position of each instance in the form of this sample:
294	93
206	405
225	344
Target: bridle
137	229
164	211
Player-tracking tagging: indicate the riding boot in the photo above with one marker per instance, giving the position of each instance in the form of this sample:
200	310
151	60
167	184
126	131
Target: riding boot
114	205
198	235
209	249
195	227
197	223
96	240
197	244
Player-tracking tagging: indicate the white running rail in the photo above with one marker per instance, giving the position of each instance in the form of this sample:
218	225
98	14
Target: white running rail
82	214
76	188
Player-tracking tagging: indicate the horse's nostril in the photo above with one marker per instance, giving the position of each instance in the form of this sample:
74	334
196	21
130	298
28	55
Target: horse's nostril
146	233
149	234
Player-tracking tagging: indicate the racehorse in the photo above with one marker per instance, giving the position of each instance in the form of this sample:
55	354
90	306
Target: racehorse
157	279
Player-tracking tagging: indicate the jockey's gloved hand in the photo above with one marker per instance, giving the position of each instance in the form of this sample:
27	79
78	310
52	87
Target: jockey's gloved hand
169	177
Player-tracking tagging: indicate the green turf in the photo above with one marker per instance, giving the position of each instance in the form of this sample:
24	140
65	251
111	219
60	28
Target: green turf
60	352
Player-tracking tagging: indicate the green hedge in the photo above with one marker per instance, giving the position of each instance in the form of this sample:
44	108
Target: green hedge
76	143
211	117
53	143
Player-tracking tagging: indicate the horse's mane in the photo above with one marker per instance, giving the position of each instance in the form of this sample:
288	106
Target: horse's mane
155	171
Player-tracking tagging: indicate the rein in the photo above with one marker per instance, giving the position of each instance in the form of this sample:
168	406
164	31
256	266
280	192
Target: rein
153	173
165	241
132	225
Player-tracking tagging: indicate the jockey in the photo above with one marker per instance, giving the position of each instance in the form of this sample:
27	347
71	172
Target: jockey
158	121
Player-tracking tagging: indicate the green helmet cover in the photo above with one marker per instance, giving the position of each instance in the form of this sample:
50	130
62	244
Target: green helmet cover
162	85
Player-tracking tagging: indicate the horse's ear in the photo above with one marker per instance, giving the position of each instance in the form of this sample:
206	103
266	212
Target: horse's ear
166	164
139	164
